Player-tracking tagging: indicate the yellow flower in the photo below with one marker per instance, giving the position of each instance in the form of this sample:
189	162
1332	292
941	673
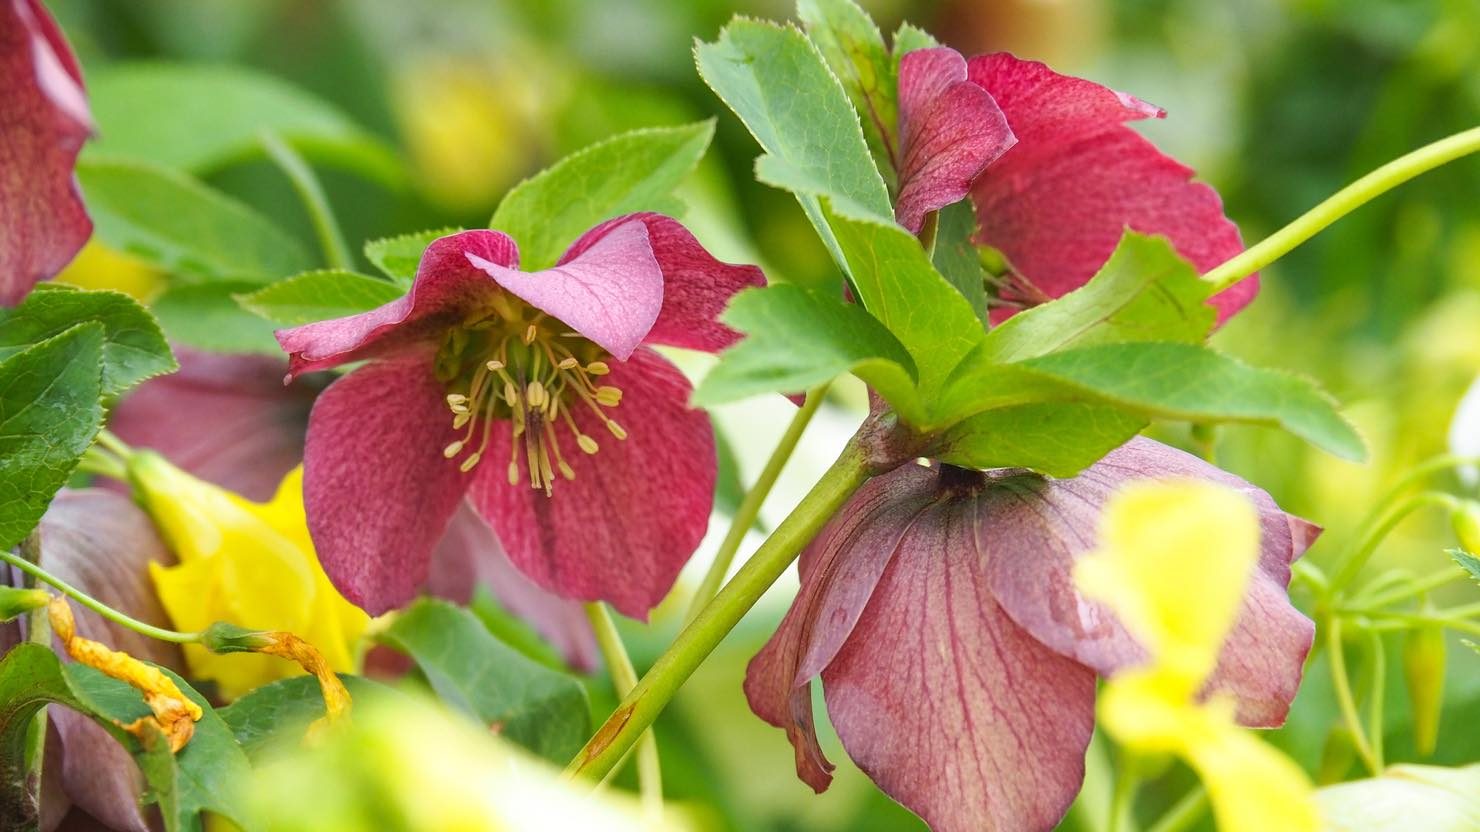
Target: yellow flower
250	564
1174	561
100	267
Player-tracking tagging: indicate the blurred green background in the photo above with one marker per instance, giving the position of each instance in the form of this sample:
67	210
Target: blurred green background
1277	103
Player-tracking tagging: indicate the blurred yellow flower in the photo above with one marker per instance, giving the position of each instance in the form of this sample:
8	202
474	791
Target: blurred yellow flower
250	564
1173	562
100	267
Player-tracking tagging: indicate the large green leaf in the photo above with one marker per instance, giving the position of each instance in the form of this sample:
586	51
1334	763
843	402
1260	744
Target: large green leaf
134	348
854	50
318	296
532	705
635	171
956	256
1059	439
399	256
796	339
49	414
201	117
206	316
205	776
273	719
173	221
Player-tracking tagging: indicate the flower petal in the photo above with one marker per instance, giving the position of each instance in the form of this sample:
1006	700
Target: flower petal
446	289
624	527
227	419
1057	203
470	555
44	120
696	287
377	490
949	706
950	130
610	291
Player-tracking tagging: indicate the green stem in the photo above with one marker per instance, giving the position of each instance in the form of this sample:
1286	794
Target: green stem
750	505
1355	558
1432	465
624	679
1445	618
1376	695
38	631
95	460
1412	589
1344	698
1121	817
108	441
311	194
640	707
98	606
1340	204
1184	813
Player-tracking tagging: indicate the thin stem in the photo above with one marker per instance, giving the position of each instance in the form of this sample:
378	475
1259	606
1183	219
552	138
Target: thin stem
98	606
1344	698
624	679
108	441
1445	618
1375	696
1432	465
1184	813
1355	558
95	460
38	631
1121	817
1428	583
638	710
1341	203
750	505
311	194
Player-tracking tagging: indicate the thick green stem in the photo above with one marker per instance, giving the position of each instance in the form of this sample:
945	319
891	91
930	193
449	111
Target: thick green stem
311	194
1355	558
98	606
640	707
750	505
1341	203
1344	698
624	679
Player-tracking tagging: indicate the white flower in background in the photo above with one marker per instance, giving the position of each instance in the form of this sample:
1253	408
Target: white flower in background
1464	432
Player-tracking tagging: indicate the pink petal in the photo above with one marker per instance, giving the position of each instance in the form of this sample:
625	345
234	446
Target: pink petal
696	287
610	291
446	289
469	555
227	419
950	130
44	120
1057	203
376	487
948	705
1037	528
624	527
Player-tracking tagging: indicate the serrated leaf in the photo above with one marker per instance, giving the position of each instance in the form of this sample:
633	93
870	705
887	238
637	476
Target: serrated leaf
541	709
399	256
854	49
634	171
134	348
173	221
908	38
274	718
1467	561
206	316
49	413
202	117
956	258
796	339
1059	439
319	296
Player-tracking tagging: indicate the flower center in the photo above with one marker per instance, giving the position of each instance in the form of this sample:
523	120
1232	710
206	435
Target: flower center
513	362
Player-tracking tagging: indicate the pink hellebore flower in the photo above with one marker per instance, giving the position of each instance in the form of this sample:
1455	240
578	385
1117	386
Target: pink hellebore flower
534	395
1053	171
958	659
44	120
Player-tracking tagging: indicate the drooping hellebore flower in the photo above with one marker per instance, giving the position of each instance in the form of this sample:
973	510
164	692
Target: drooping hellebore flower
1173	562
939	609
1055	174
44	120
534	395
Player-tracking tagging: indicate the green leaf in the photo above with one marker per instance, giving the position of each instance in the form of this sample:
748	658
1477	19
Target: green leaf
319	296
956	256
1405	797
202	117
634	171
205	776
1469	562
796	339
49	414
854	50
271	720
1059	439
909	38
532	705
206	316
1144	292
173	221
399	256
134	348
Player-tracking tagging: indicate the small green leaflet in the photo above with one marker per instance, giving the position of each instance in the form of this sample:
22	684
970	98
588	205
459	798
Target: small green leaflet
318	296
134	348
1469	562
634	171
274	718
206	316
399	256
541	709
49	413
855	51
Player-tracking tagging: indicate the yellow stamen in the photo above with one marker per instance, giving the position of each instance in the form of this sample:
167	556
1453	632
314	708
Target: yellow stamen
587	443
494	365
453	449
608	396
598	368
531	333
569	363
616	429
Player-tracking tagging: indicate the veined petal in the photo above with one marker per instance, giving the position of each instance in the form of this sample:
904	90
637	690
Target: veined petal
621	530
950	130
610	292
447	288
376	487
44	120
1057	203
696	286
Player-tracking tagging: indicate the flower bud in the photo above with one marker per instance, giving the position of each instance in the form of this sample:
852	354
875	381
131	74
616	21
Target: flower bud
1423	672
15	601
1466	520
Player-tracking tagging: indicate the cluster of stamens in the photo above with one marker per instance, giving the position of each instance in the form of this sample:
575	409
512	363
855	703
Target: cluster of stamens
512	362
